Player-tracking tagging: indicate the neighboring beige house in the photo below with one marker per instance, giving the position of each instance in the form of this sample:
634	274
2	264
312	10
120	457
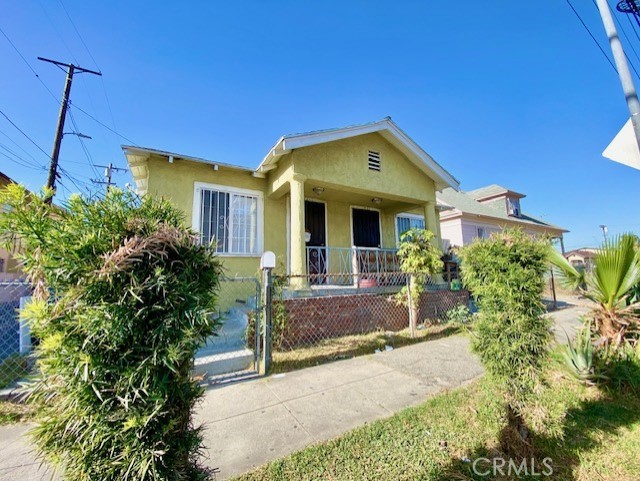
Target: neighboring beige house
465	216
583	258
330	204
9	268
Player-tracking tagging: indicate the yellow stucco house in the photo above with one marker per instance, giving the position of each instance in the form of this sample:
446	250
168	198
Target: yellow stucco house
330	204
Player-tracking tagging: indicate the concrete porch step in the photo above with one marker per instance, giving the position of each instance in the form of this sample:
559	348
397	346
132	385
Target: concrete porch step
223	363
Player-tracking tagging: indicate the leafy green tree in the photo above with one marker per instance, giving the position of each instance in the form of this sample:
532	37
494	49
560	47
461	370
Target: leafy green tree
421	260
613	284
505	274
123	296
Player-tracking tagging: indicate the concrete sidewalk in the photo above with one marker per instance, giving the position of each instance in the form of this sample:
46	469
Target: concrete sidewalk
252	422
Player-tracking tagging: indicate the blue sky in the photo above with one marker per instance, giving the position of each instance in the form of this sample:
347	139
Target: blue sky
497	93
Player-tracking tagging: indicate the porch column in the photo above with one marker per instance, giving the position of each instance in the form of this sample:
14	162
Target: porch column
432	223
298	245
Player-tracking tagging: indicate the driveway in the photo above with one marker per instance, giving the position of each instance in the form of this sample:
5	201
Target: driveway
258	420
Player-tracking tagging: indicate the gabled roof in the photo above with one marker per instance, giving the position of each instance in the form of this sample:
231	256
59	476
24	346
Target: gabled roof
385	127
493	190
465	203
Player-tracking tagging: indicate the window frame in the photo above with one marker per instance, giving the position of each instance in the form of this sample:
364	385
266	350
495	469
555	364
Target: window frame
197	207
409	216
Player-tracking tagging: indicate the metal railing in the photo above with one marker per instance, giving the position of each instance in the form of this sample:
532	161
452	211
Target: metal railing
346	266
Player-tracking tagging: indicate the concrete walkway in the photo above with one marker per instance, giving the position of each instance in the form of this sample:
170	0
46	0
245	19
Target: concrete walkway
252	422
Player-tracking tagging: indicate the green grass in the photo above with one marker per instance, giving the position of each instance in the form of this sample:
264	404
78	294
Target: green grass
345	347
590	435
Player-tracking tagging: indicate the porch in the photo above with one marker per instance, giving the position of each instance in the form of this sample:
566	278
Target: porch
340	237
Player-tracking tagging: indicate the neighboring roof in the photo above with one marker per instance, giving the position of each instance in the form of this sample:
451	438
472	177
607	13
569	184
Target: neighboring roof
586	252
386	127
493	190
8	179
467	204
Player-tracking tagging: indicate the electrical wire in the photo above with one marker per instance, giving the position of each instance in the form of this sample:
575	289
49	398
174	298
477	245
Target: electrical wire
84	147
29	65
23	133
26	163
592	36
86	47
19	146
104	125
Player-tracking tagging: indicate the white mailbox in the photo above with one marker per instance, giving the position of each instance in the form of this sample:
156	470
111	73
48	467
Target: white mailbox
268	260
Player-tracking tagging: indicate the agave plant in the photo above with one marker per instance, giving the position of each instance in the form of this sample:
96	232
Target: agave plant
578	355
612	285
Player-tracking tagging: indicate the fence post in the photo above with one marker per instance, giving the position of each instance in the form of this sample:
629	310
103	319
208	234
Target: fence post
267	264
24	333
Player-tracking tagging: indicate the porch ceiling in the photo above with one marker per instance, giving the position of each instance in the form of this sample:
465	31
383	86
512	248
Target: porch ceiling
359	198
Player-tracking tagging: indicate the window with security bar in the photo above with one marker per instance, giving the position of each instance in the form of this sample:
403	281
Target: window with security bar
229	221
405	222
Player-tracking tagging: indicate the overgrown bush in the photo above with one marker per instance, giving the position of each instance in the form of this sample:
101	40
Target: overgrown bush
123	299
505	274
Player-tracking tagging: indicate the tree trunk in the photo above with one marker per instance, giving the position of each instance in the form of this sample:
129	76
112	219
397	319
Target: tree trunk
515	437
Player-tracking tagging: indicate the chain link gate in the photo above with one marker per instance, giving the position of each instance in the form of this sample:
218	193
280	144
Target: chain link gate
15	338
235	349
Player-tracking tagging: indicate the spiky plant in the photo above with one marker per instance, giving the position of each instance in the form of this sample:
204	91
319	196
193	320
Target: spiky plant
578	355
612	285
123	297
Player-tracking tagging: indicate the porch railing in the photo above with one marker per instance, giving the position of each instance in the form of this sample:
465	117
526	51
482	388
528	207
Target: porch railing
353	266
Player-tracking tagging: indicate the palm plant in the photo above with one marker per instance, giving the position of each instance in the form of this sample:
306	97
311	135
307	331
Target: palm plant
612	285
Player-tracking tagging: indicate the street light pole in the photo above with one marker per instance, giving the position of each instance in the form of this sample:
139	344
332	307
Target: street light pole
623	68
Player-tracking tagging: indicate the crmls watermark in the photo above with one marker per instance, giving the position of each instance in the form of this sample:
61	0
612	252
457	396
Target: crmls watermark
512	468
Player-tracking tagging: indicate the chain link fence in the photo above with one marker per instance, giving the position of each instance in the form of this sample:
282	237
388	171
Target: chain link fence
315	322
15	338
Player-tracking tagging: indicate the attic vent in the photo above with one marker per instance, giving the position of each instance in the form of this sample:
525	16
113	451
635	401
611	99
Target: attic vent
374	161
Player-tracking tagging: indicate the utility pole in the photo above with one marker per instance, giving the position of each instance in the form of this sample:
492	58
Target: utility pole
64	105
604	232
108	172
621	64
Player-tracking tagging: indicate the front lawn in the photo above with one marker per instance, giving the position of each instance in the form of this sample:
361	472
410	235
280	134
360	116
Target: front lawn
345	347
588	433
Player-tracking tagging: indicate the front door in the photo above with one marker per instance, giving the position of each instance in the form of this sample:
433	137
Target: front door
366	228
315	224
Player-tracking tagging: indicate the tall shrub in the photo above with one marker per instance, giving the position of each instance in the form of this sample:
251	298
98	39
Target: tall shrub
129	296
420	259
505	274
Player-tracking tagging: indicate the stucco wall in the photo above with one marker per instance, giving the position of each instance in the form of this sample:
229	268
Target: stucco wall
175	182
345	162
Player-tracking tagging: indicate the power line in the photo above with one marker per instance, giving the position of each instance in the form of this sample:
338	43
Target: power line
29	65
18	145
30	163
23	133
86	47
592	36
79	36
105	126
84	147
